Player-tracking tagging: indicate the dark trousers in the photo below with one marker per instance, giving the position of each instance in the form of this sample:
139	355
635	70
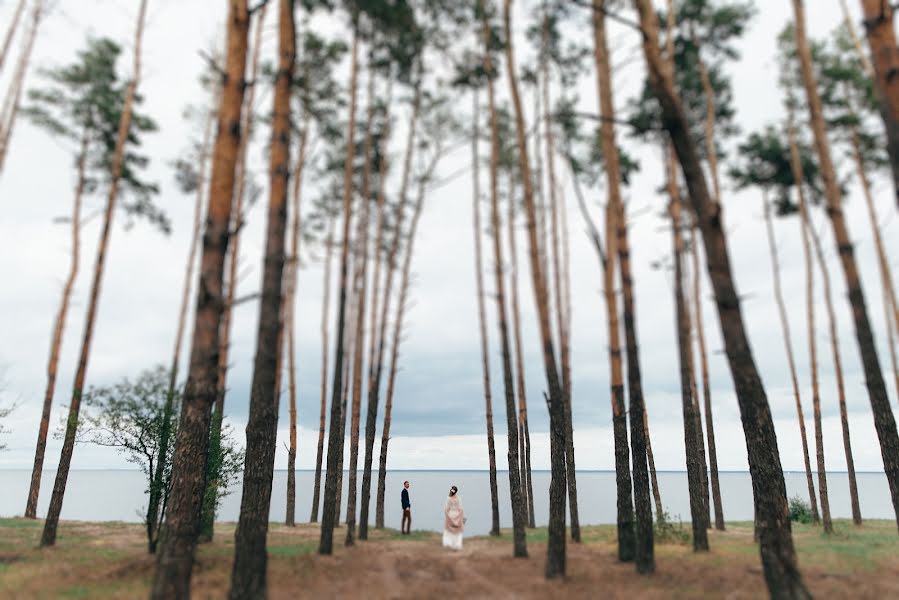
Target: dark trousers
406	525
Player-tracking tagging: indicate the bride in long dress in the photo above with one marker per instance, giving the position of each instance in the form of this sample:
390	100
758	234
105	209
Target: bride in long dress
454	520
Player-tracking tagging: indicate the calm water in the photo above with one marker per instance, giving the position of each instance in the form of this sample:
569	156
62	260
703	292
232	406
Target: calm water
119	496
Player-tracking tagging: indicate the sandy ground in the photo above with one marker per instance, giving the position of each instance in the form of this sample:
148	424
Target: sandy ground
109	561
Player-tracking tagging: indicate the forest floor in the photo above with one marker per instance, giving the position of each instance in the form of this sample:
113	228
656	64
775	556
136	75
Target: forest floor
109	560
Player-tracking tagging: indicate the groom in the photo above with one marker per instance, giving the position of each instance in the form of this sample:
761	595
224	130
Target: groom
406	525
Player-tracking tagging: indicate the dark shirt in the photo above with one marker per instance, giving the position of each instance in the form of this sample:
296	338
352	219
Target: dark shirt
405	499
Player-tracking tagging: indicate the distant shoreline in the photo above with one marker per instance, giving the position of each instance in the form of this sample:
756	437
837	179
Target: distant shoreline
746	472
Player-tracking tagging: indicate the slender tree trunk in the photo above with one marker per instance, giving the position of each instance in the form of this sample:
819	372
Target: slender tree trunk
656	494
706	387
692	437
326	302
335	441
878	21
210	498
11	32
838	369
14	93
248	575
376	346
554	254
776	541
555	550
157	491
482	316
349	341
856	41
524	434
359	348
813	365
173	571
643	543
884	421
59	326
290	325
519	514
48	538
883	263
392	255
627	542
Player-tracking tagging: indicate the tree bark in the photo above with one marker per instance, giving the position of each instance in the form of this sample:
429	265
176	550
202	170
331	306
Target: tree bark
14	93
326	302
656	494
482	322
884	422
392	255
59	326
523	429
248	575
776	542
706	386
335	441
48	537
878	21
555	550
643	543
173	571
692	437
856	41
519	514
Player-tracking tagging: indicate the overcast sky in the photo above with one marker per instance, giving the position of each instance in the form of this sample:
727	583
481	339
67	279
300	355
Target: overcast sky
438	417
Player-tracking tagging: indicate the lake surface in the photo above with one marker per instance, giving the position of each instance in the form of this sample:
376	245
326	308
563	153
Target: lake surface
118	495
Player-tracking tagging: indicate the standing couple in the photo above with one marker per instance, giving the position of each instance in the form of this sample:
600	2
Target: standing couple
453	517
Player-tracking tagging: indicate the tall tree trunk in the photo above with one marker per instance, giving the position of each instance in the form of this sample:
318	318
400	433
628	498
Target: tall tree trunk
884	421
14	93
627	541
656	494
776	541
554	254
248	575
326	302
878	21
59	326
335	441
207	519
692	438
157	492
555	549
643	543
359	349
376	346
523	429
838	369
482	314
706	387
173	571
392	255
519	514
856	41
349	341
883	263
290	325
813	364
11	32
48	538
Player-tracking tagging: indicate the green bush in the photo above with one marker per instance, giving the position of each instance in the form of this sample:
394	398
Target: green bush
668	531
800	511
